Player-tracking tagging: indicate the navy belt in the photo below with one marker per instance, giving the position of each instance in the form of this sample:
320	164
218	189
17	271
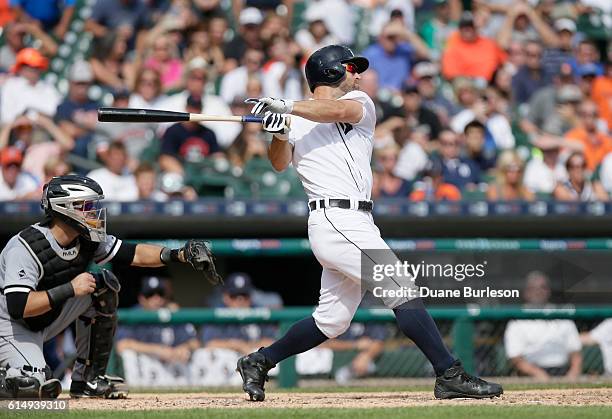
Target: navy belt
340	203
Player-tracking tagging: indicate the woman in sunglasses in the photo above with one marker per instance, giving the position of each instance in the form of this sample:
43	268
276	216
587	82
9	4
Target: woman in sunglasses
578	186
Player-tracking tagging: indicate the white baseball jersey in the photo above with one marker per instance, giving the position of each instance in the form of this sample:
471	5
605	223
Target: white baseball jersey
333	159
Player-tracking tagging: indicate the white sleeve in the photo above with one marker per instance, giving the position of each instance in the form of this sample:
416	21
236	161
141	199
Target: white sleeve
107	250
23	272
512	340
368	119
572	338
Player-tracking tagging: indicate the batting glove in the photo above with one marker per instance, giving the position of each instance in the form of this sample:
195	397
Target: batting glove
277	124
269	104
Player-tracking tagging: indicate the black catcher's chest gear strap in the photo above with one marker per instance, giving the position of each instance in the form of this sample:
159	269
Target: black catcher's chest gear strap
55	271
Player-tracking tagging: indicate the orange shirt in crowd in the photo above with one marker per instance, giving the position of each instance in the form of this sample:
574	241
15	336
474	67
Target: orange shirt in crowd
471	59
593	152
6	14
602	96
445	192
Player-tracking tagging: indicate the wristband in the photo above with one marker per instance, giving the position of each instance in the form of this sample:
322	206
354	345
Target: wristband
169	255
59	295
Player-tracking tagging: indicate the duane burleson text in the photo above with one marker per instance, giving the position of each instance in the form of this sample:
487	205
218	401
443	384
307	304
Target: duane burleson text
465	292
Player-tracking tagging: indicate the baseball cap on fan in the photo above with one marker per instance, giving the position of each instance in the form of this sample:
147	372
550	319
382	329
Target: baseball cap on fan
425	69
31	58
565	24
250	16
11	155
238	283
152	285
81	72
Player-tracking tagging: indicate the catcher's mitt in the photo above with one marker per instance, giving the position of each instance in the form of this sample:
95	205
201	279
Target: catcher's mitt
198	255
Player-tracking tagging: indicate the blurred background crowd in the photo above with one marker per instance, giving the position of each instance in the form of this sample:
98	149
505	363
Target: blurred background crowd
497	100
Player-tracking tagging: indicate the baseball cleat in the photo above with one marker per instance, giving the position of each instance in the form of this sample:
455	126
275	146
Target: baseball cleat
253	369
50	389
103	387
456	383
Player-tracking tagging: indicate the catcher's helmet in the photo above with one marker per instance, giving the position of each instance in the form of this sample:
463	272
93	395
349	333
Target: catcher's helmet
324	67
75	200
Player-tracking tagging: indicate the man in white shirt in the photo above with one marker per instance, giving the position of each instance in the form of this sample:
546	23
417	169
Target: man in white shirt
14	183
115	179
234	83
25	90
601	335
330	146
543	348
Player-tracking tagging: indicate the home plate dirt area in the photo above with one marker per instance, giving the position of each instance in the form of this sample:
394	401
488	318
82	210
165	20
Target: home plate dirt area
146	401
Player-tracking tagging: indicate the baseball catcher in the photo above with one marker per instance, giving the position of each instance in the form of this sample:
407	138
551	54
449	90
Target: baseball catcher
46	286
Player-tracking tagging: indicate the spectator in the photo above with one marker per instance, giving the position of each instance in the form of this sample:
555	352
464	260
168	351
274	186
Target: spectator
437	29
164	59
418	115
433	187
148	92
109	62
25	89
602	95
531	76
416	145
242	338
14	35
548	107
248	37
369	342
601	335
129	18
50	142
317	35
340	18
393	56
508	185
114	178
53	15
586	53
470	54
386	184
146	182
524	23
502	80
489	109
476	148
234	82
168	343
457	170
543	348
200	45
187	141
578	187
543	172
77	115
554	57
249	144
282	74
593	143
426	76
386	102
15	184
197	76
6	13
173	186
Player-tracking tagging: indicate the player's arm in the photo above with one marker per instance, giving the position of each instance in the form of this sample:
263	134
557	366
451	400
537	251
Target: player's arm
280	153
527	368
329	110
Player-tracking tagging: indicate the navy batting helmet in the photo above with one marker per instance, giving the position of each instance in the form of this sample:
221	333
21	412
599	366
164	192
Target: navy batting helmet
324	67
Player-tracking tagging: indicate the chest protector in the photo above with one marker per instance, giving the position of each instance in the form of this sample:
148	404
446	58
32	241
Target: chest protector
55	270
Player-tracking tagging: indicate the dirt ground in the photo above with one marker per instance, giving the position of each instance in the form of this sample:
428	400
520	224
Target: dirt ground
274	399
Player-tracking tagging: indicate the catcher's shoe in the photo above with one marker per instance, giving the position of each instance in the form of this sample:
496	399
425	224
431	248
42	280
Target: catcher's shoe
456	383
104	386
253	369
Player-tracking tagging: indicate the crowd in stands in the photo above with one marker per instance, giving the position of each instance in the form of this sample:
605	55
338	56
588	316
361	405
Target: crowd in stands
504	100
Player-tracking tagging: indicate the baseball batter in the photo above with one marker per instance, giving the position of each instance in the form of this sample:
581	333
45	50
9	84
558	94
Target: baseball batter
46	287
329	141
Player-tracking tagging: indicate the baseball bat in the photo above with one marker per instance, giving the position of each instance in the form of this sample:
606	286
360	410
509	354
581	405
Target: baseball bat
153	115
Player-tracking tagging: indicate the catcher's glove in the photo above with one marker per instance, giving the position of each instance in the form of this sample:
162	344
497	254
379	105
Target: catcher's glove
198	255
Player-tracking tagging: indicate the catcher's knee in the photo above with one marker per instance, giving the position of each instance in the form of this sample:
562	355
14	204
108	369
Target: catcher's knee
106	296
